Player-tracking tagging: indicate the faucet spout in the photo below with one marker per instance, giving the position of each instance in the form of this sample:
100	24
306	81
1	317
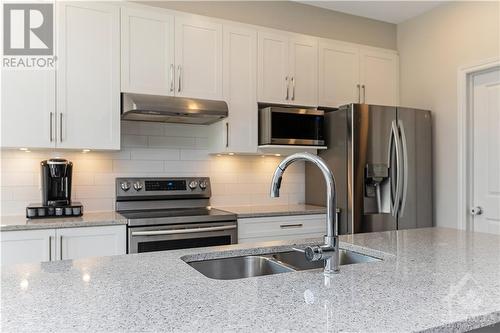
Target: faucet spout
330	250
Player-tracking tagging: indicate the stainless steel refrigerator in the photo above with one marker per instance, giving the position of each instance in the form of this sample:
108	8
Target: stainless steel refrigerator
381	157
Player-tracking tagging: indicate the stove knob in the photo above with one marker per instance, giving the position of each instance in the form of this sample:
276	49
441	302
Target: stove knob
203	185
137	186
193	184
125	186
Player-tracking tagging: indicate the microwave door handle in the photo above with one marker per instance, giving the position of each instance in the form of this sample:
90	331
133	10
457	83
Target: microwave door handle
181	231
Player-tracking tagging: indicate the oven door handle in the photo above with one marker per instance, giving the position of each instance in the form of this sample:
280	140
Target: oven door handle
181	231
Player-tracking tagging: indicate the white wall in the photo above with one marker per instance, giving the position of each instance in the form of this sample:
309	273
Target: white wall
432	47
150	149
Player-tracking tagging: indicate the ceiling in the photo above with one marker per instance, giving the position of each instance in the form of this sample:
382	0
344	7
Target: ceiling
387	11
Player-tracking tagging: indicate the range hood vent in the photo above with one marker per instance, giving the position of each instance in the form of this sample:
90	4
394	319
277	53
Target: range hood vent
167	109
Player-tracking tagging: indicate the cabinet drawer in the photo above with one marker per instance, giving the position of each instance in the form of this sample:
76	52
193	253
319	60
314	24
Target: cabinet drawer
281	227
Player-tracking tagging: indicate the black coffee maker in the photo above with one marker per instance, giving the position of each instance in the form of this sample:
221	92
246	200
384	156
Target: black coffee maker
56	179
56	182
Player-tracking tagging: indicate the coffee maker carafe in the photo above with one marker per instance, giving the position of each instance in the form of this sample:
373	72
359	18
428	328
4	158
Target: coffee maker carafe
56	182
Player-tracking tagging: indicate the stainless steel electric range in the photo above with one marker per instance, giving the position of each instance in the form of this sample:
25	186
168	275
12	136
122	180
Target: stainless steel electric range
172	213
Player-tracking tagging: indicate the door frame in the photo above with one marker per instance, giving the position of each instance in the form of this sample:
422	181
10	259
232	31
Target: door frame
465	148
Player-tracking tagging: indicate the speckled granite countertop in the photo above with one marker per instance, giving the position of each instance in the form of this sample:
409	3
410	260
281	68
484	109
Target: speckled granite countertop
278	210
431	280
11	223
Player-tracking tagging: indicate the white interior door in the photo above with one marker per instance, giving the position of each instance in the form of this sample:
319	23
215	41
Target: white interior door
147	43
273	77
338	74
198	58
88	75
486	154
304	70
379	77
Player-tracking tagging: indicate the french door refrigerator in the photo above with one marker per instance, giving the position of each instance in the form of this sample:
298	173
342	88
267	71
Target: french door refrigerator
381	157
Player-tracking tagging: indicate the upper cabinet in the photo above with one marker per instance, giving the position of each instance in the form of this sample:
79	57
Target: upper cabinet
147	52
198	57
88	75
379	77
287	69
355	74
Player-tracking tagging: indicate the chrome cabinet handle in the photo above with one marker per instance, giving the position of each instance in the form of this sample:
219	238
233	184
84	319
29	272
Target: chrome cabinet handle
291	226
359	93
364	93
179	71
227	134
181	231
172	78
287	88
61	247
293	88
50	248
51	123
61	127
404	185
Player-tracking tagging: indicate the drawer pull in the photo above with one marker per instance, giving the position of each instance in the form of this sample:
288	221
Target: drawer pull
290	226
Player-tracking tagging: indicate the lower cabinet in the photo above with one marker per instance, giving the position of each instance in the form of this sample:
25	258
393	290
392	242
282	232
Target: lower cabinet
30	246
261	229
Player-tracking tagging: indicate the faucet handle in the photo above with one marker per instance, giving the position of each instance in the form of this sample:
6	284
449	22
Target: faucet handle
313	253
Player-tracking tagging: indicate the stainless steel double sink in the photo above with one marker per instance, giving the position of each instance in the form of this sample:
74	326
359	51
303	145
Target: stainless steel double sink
267	264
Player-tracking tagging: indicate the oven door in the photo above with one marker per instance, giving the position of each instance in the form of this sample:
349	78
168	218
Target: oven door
183	236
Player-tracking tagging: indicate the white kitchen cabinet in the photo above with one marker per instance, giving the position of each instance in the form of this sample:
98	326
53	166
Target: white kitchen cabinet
238	132
287	68
198	57
260	229
31	246
379	76
147	51
338	74
303	67
27	246
88	75
75	243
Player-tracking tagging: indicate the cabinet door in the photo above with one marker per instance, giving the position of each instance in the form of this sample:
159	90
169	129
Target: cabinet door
28	108
198	58
75	243
27	246
147	52
88	80
273	78
338	74
380	77
303	55
240	88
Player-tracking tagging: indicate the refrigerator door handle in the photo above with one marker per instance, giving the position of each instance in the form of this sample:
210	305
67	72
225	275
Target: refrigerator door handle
404	185
394	137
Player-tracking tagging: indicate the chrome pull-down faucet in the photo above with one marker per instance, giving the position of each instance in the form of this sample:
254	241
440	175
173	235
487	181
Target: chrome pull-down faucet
329	252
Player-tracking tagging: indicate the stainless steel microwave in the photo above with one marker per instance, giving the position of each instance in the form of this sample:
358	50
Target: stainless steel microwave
291	126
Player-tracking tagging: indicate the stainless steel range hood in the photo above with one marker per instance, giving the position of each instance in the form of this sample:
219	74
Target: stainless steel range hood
169	109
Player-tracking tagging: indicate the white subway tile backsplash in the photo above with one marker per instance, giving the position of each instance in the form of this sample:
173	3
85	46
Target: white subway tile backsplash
151	150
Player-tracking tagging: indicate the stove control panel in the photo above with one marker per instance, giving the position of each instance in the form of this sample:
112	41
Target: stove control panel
163	187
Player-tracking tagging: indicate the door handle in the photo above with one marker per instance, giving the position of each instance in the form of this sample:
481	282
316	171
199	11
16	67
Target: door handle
51	123
179	72
404	149
291	226
227	134
61	127
172	78
359	93
293	88
394	138
287	88
476	211
181	231
364	93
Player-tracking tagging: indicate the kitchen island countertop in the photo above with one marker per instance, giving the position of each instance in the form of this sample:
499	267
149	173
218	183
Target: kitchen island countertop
274	210
430	280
